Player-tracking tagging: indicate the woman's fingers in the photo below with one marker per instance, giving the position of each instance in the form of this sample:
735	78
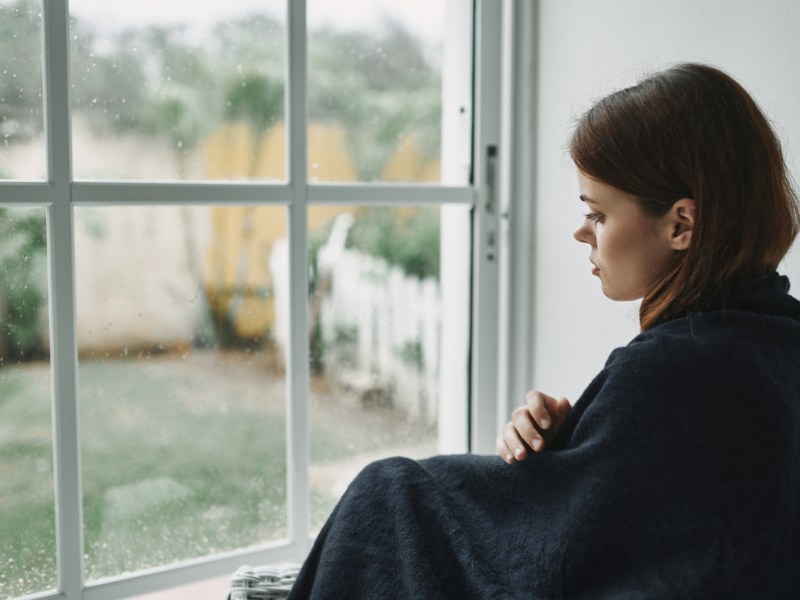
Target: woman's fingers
504	451
563	409
532	426
543	409
524	426
511	445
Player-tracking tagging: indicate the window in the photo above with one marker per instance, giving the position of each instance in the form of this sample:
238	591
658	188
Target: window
244	251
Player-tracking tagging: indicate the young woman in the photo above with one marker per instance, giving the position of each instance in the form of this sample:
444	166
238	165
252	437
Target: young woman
677	473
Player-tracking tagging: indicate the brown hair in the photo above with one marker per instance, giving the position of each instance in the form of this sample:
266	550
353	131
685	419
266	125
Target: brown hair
693	132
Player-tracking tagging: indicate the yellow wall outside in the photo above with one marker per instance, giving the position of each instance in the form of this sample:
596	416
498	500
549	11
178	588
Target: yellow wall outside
409	164
237	277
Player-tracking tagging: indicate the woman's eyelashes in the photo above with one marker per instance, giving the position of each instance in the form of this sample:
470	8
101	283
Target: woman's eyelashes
593	217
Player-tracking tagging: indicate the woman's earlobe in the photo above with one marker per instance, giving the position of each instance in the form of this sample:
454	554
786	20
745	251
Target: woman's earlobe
682	240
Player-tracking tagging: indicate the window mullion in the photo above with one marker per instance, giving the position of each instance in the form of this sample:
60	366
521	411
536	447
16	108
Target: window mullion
298	367
85	193
66	447
516	304
15	193
486	244
382	194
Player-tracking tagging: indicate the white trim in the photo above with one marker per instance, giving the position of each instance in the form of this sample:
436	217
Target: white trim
207	193
27	194
455	245
297	372
507	206
167	576
390	194
517	304
64	369
49	595
64	353
57	128
488	42
134	193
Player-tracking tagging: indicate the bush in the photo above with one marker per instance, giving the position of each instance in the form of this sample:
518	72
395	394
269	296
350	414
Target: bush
409	241
23	282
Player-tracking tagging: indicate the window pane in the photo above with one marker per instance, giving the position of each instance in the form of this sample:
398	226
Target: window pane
376	343
178	90
27	522
21	121
182	384
375	74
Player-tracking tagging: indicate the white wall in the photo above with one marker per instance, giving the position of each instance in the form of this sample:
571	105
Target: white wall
586	49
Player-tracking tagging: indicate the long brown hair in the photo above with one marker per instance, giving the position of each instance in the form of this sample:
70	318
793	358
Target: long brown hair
693	132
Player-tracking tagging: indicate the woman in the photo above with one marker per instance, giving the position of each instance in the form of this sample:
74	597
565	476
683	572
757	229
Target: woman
677	472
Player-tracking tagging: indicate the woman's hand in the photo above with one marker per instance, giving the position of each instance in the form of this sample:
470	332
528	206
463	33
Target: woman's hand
532	427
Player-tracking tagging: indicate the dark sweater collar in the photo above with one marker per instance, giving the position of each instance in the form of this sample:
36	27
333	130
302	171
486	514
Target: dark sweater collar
766	294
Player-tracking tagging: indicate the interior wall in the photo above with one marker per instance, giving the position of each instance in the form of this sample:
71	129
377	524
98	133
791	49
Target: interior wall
585	50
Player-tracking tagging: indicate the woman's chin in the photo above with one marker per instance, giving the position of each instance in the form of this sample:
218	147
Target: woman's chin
619	295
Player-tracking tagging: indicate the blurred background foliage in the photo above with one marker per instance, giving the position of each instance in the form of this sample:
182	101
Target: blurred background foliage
409	240
135	83
145	81
23	284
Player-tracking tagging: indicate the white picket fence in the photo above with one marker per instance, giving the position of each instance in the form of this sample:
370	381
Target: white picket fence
380	327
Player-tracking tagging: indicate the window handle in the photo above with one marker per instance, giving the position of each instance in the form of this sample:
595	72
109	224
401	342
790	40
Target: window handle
491	178
490	206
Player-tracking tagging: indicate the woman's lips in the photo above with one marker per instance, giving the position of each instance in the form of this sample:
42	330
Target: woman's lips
595	269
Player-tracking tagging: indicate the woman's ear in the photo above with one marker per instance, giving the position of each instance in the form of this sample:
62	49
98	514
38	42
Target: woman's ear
681	217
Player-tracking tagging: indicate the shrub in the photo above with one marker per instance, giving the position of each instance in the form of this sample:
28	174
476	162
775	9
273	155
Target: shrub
409	241
23	282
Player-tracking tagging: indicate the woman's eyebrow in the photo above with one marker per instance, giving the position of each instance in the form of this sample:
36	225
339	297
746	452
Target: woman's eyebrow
585	198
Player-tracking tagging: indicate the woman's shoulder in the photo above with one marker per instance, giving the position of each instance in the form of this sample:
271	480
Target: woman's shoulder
718	359
699	379
733	334
716	368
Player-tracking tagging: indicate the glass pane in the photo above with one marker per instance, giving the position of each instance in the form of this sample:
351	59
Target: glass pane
376	340
21	122
182	383
375	93
178	90
27	517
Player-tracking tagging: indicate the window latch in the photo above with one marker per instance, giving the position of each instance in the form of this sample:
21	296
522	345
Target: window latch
491	178
490	206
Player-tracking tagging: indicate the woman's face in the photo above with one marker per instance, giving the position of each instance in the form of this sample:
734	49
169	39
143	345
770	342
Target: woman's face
629	249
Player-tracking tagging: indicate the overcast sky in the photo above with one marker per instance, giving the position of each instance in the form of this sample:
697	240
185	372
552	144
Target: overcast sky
425	17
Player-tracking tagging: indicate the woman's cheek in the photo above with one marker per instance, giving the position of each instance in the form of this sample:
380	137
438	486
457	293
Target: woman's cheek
600	239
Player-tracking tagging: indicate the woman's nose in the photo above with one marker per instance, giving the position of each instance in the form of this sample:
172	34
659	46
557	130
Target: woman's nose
582	234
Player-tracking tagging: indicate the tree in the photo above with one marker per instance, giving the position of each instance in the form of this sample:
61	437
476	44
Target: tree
20	71
23	283
410	241
109	86
380	87
257	99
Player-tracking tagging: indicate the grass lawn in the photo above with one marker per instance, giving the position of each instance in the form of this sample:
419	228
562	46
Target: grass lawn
27	512
182	456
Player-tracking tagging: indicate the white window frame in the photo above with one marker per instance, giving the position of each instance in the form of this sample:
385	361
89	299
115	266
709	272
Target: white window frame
59	194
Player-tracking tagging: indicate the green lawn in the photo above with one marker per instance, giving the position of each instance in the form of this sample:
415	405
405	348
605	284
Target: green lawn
182	456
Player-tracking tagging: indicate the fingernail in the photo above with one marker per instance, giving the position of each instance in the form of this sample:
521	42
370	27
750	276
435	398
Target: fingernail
518	451
536	444
545	422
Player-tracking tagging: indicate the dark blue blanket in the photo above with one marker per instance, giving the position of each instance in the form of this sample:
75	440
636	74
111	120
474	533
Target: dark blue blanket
676	475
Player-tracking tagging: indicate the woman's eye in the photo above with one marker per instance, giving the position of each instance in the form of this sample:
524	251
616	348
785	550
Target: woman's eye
593	216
